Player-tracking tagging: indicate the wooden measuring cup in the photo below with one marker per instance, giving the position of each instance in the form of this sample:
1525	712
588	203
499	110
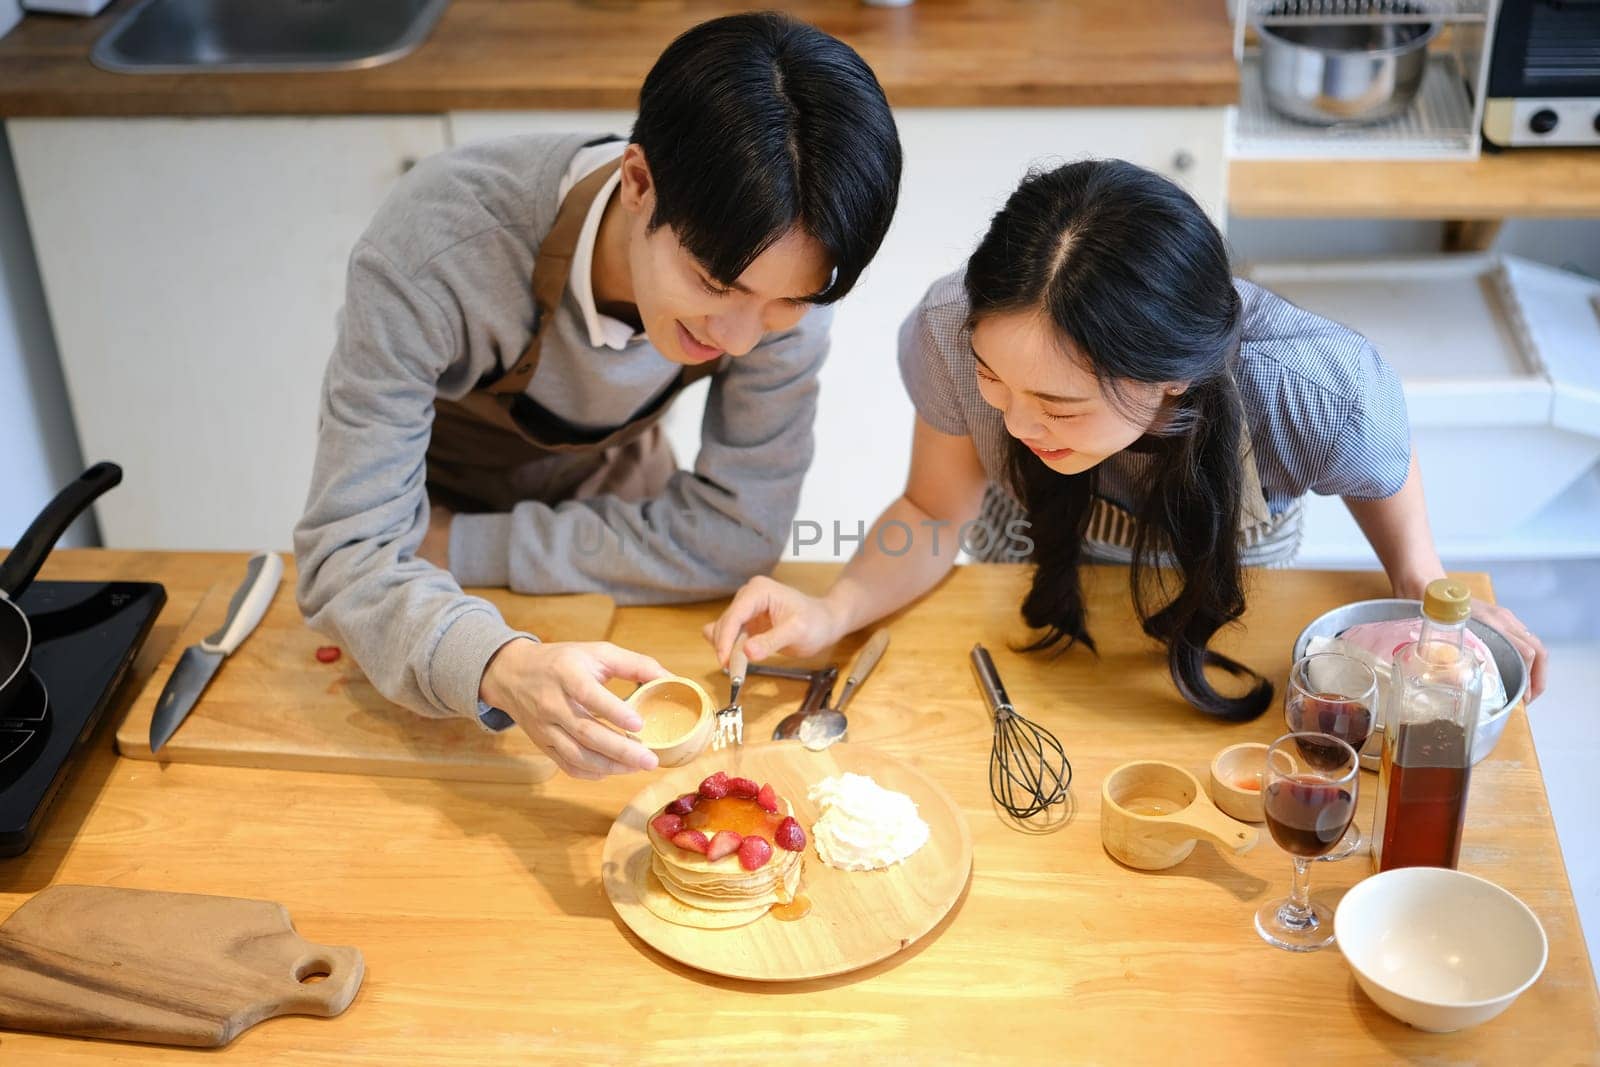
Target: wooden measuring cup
1153	812
678	718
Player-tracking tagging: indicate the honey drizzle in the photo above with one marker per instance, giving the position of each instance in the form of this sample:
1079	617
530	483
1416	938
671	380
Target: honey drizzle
798	908
743	817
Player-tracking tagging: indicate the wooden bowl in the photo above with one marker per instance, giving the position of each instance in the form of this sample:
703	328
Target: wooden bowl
1236	780
677	716
1152	813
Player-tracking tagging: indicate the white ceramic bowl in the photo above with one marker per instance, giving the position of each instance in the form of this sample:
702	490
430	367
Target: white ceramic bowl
1513	672
1439	949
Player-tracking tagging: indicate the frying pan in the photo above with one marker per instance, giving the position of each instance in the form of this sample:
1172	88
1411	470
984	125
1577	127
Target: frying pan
16	573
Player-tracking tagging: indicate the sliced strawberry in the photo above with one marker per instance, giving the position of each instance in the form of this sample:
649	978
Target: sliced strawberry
726	843
789	835
743	788
667	824
754	852
692	840
684	804
715	787
767	797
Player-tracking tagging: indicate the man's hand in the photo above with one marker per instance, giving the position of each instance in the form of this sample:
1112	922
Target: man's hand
435	547
556	693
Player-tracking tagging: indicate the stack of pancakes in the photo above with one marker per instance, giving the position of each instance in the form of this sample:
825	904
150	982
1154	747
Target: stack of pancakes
686	888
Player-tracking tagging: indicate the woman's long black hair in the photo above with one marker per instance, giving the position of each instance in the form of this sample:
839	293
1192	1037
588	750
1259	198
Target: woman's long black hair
1135	276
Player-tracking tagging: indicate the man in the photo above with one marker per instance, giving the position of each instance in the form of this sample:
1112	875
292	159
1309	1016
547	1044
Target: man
518	317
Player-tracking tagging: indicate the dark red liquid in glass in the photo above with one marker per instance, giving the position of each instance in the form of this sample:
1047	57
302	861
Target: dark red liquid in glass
1329	713
1307	815
1427	789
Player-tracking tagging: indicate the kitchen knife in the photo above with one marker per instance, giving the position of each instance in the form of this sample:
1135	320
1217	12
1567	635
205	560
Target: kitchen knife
200	662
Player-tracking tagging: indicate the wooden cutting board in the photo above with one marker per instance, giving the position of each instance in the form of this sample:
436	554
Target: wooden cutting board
173	968
857	917
274	705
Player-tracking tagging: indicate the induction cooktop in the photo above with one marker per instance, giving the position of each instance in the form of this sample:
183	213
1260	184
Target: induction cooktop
85	637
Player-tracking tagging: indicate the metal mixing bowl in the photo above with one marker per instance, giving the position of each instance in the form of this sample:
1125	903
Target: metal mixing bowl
1331	73
1513	672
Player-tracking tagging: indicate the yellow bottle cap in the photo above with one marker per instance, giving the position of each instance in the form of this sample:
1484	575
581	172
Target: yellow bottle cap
1447	600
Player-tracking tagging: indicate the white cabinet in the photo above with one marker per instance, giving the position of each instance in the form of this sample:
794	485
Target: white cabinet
960	164
193	270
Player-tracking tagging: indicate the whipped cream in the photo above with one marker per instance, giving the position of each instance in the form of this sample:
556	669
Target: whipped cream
864	827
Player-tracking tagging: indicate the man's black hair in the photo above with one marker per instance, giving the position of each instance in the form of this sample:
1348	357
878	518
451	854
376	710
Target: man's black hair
755	124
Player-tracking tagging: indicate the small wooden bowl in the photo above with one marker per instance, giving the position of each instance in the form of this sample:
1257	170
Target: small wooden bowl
1152	813
1236	780
677	715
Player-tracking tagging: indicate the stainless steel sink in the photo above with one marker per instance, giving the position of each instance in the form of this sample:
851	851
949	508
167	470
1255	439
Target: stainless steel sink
180	36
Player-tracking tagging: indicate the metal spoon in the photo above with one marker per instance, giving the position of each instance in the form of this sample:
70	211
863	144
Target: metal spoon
822	727
817	694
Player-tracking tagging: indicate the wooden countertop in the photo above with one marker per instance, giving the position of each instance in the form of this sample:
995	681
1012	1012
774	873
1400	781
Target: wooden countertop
488	937
1521	183
511	54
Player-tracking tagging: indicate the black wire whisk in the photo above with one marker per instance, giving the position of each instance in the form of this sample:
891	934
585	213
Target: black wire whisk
1028	769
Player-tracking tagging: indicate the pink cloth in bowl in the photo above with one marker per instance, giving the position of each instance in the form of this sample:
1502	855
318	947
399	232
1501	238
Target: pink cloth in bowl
1381	640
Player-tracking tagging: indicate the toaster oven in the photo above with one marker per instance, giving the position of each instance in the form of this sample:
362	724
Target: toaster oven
1544	74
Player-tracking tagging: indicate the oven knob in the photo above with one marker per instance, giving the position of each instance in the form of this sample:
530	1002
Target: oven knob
1543	121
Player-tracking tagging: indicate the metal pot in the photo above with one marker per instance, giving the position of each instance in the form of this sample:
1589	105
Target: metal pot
1331	73
1513	671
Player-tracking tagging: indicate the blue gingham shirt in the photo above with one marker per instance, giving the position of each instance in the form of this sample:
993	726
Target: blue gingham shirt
1326	414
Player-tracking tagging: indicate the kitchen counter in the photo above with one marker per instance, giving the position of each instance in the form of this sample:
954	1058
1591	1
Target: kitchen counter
570	54
488	937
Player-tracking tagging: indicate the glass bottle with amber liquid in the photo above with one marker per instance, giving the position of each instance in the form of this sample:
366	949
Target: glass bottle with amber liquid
1435	691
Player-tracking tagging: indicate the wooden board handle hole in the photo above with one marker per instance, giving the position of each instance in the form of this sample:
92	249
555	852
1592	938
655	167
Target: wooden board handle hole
313	971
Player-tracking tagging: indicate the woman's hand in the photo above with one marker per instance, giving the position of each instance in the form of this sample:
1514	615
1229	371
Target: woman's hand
1531	648
778	618
556	692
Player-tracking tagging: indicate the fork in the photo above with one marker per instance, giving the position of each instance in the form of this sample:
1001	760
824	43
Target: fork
730	720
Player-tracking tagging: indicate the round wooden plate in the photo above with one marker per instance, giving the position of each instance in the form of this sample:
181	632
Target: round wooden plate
857	917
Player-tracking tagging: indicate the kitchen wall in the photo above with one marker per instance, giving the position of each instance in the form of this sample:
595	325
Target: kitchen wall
38	445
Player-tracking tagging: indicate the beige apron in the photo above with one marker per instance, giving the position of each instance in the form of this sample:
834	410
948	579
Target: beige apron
497	446
1265	540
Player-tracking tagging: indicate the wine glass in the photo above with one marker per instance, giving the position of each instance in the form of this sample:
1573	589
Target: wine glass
1331	693
1308	792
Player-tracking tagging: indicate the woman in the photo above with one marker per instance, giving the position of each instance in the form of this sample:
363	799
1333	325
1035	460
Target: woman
1097	371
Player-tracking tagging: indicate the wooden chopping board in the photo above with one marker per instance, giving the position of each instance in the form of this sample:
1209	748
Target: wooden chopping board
274	705
857	917
173	968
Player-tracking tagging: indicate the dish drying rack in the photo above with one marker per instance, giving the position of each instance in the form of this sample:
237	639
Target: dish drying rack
1442	123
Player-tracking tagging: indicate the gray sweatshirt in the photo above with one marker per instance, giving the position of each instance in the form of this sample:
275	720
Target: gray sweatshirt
437	297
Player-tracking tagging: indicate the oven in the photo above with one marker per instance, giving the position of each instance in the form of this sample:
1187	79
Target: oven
1544	75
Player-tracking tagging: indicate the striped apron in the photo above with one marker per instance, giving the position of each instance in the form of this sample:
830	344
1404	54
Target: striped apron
1265	540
